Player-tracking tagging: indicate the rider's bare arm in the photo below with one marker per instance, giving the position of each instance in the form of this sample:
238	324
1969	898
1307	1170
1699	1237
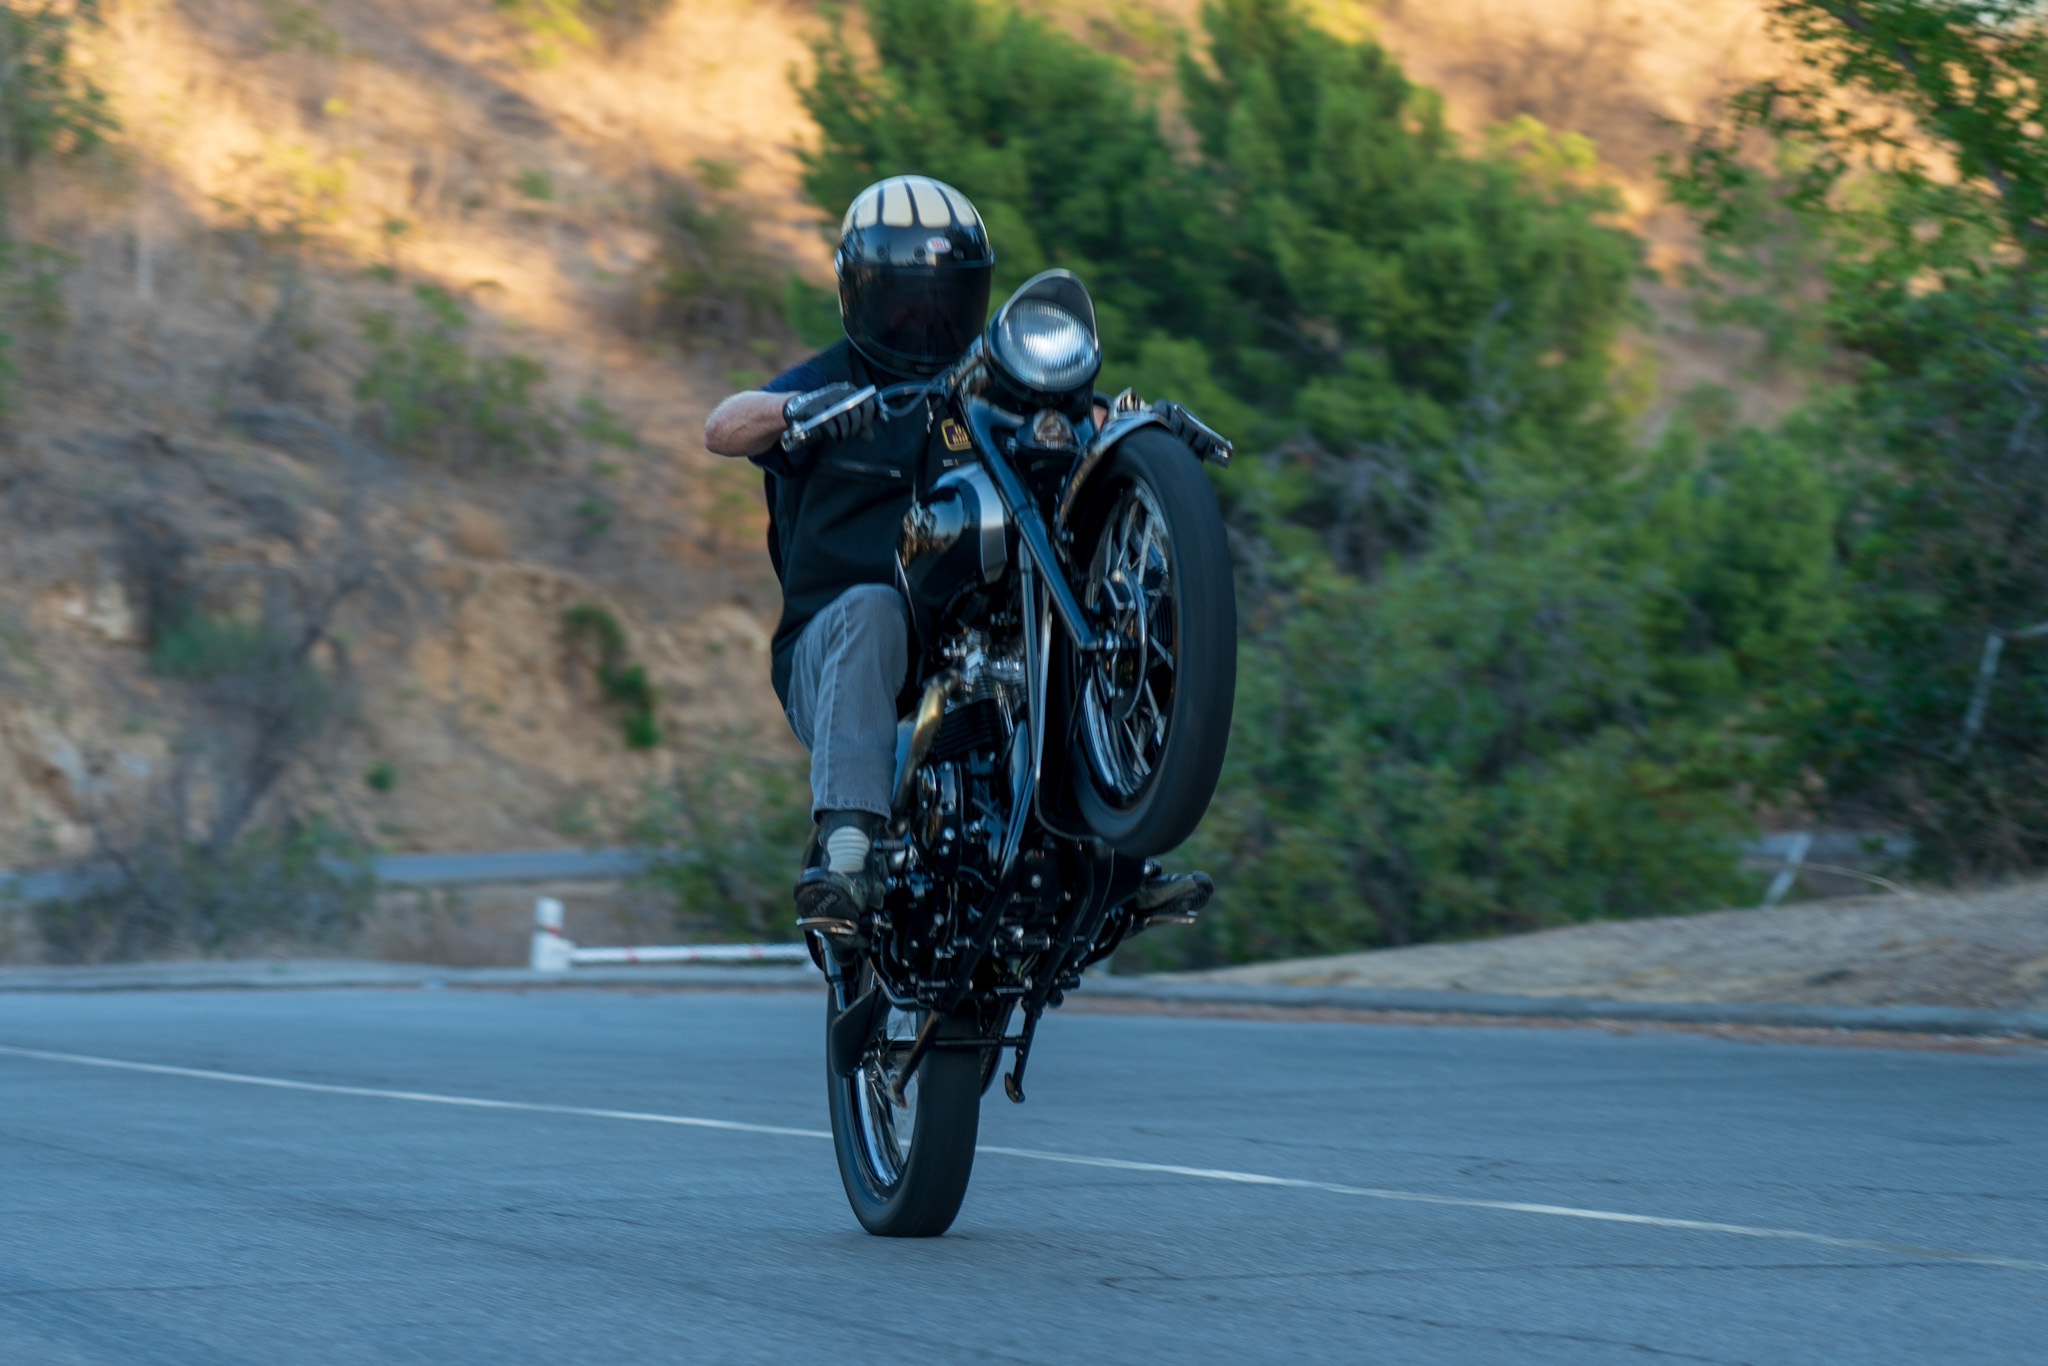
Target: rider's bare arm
745	425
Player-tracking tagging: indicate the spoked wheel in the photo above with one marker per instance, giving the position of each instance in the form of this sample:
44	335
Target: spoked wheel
1154	712
905	1167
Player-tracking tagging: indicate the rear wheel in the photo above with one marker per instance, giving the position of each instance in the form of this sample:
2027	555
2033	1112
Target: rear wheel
905	1167
1153	715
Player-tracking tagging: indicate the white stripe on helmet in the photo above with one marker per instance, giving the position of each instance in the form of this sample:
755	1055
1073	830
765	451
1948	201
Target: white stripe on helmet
909	200
896	204
963	212
931	204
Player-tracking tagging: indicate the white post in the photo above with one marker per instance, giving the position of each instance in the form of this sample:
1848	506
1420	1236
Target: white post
552	950
1795	855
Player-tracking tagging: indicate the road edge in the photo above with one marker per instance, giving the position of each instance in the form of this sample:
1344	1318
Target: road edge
1898	1019
319	974
328	975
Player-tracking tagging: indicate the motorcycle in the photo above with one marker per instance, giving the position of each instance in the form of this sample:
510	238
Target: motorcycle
1070	589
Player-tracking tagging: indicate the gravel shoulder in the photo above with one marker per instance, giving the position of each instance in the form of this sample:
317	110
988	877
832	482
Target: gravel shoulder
1903	957
1983	950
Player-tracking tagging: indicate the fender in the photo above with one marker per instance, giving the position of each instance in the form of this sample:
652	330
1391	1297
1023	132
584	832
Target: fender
1107	440
1207	444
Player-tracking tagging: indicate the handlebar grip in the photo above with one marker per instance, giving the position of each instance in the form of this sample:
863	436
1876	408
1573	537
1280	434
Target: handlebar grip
802	432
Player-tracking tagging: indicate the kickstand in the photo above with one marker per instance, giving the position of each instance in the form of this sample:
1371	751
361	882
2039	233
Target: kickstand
1013	1080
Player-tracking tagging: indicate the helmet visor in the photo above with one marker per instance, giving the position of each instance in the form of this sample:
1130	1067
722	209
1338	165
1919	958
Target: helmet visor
913	318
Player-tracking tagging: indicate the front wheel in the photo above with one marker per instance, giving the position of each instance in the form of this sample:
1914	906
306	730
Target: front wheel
905	1167
1153	714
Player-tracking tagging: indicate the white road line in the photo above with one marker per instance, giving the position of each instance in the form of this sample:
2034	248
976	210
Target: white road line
1043	1155
1516	1207
420	1097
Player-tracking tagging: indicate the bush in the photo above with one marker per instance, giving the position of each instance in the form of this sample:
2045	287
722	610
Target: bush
601	426
1907	162
264	698
1051	140
301	26
625	684
1546	717
554	26
558	25
725	837
716	282
48	110
301	884
203	647
429	396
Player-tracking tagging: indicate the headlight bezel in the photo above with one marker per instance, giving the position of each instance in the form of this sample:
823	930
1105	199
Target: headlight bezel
1048	300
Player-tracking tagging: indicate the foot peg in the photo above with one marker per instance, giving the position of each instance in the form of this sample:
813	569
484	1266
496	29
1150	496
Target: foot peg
830	904
1172	900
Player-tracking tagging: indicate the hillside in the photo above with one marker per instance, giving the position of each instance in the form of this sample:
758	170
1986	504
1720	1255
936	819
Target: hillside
309	210
190	405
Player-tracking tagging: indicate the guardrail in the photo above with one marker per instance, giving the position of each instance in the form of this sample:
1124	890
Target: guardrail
554	951
615	864
398	870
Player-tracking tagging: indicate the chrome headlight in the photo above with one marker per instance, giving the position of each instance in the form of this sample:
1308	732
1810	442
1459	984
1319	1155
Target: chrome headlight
1043	339
1045	347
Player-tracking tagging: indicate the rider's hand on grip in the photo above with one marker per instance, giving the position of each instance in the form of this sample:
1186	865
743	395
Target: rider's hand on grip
1205	441
837	412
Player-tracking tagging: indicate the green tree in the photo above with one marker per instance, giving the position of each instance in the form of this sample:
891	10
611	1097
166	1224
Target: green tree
47	107
48	110
1907	157
1502	668
1052	140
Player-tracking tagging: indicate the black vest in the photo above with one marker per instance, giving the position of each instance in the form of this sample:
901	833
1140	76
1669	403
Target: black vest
834	525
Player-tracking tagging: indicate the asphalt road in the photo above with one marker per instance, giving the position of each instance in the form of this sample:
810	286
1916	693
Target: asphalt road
1444	1194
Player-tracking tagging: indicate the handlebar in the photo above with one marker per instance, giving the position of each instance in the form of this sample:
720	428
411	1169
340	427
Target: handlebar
802	431
918	390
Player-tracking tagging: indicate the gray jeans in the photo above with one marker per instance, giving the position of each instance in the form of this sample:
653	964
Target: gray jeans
843	680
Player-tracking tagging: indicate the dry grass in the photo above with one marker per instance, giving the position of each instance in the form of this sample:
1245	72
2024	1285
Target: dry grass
1756	1034
224	257
1987	948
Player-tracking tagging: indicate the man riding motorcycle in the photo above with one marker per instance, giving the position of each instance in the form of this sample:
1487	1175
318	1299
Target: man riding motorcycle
914	266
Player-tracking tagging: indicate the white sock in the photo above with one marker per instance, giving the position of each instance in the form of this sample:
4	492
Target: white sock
846	850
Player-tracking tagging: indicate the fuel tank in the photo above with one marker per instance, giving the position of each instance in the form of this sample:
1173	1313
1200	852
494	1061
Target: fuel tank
952	549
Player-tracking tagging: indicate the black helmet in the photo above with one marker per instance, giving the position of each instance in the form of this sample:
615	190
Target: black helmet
913	263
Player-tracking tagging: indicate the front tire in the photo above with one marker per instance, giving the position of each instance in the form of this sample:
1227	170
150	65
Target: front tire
905	1168
1154	719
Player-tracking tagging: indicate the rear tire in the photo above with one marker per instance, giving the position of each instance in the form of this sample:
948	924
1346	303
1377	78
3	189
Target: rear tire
1153	726
906	1170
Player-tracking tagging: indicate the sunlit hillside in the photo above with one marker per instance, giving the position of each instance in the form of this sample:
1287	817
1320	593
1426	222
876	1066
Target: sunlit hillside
282	173
618	215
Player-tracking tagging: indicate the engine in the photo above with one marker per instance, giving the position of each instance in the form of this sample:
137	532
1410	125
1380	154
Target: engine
946	853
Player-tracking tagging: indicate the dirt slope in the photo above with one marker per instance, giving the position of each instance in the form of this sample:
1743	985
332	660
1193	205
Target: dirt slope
1988	949
212	300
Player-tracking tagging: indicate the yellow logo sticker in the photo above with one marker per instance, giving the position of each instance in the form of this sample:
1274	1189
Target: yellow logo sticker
955	434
